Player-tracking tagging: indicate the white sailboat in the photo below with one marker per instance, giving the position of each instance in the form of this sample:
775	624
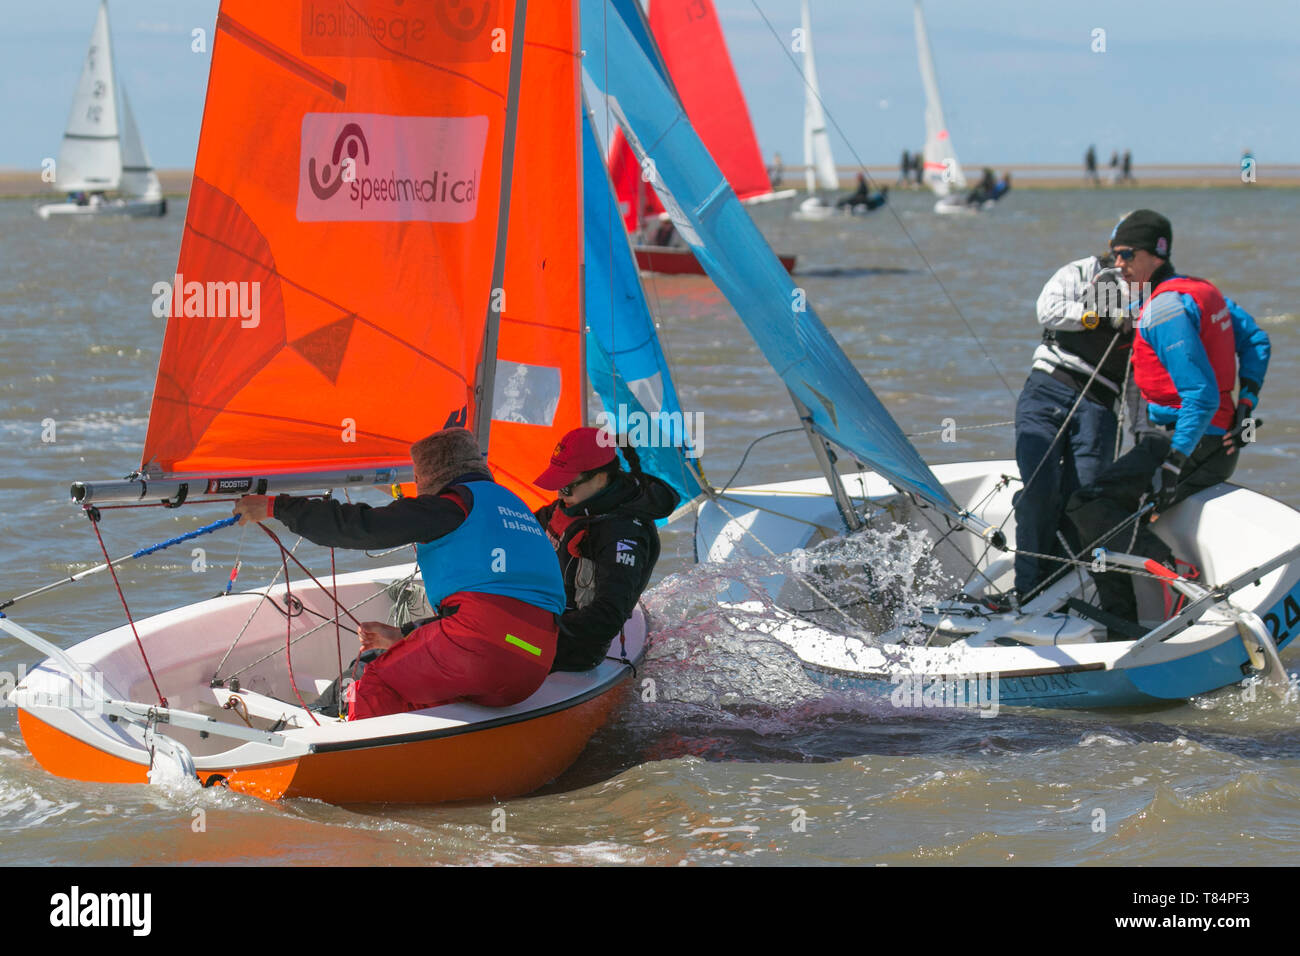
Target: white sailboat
941	172
820	175
1052	650
350	294
102	151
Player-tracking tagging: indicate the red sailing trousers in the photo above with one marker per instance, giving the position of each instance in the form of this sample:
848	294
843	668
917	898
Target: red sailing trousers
493	650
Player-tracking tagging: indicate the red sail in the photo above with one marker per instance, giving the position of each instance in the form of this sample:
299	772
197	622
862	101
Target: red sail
630	186
690	38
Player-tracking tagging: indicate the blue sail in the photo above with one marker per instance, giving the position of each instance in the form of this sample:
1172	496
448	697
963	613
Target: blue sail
734	253
625	364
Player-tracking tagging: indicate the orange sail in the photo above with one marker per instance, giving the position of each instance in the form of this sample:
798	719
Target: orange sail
335	273
540	383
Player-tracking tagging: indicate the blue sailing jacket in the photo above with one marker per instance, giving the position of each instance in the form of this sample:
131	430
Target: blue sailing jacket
499	549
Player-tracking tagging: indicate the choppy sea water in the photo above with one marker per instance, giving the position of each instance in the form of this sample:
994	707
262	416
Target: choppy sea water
730	755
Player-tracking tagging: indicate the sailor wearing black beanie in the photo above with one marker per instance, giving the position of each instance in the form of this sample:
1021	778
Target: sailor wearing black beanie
1191	348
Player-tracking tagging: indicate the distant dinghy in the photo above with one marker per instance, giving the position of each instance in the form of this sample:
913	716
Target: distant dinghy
941	171
102	151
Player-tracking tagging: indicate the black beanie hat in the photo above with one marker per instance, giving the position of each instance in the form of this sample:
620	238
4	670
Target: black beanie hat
1144	229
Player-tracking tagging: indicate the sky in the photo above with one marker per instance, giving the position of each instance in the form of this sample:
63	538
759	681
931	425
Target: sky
1180	81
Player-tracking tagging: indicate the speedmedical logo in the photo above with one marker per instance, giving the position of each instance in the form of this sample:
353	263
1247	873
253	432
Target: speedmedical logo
370	167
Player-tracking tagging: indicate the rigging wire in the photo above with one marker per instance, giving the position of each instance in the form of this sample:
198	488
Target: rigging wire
93	515
897	219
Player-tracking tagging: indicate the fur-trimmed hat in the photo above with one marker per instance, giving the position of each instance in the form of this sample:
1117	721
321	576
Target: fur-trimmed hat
446	455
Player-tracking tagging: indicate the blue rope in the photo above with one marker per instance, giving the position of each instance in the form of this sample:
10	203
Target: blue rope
206	529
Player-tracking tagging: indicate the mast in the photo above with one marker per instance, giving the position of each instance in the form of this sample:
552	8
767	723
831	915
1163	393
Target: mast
487	370
822	452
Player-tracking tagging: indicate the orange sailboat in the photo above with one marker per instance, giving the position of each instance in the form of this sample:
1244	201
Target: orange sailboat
384	234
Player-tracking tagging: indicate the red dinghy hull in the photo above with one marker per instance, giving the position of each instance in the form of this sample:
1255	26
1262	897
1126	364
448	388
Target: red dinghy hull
673	261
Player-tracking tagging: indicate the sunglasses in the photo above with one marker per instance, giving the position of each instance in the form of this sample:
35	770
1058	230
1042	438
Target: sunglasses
1125	254
580	480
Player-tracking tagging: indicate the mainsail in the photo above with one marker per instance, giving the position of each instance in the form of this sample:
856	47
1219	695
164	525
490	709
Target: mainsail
819	164
942	171
706	212
625	363
335	273
91	156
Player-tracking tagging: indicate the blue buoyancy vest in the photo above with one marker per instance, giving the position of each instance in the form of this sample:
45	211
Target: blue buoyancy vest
498	549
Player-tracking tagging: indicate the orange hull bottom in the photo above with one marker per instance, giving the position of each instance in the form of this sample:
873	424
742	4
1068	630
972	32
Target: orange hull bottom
505	761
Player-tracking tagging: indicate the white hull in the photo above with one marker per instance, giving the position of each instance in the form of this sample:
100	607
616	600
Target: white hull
816	209
135	208
770	207
958	206
186	647
1044	657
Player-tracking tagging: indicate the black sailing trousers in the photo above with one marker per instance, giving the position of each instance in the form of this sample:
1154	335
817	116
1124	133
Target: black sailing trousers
1118	491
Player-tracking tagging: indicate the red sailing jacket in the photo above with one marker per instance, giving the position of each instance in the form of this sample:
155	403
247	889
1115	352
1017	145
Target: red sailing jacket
1216	337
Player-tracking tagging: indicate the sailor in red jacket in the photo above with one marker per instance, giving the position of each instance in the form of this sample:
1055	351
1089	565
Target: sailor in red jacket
1193	347
487	567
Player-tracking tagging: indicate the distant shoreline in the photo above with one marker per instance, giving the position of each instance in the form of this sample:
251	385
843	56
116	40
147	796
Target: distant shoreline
27	184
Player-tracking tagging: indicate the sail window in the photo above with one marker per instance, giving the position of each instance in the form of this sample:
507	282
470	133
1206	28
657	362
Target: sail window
526	394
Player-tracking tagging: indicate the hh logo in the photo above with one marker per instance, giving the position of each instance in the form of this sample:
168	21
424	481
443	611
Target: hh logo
368	167
623	553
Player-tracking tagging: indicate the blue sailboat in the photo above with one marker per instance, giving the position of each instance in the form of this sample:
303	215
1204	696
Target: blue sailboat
625	363
1047	653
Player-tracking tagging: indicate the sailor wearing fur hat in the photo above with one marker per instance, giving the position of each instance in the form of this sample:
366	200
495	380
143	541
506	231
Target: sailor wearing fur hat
493	641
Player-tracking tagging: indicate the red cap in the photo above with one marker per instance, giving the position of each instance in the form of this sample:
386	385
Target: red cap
583	449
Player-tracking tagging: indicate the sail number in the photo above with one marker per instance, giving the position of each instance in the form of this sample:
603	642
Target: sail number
1291	615
93	112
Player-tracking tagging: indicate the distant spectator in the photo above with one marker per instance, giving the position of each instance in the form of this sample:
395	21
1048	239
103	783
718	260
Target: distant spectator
1128	168
777	173
1090	166
904	168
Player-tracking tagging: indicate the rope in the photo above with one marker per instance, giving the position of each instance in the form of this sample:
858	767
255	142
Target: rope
306	634
286	553
1060	431
897	219
94	523
338	628
288	629
968	428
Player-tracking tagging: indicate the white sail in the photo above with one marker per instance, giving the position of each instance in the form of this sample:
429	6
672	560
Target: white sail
818	162
138	178
942	171
91	156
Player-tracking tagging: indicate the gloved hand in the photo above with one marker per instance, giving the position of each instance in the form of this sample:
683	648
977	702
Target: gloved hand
1165	480
1235	438
1104	300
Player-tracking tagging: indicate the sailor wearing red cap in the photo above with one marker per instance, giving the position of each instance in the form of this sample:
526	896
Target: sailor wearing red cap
1192	349
602	527
494	639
